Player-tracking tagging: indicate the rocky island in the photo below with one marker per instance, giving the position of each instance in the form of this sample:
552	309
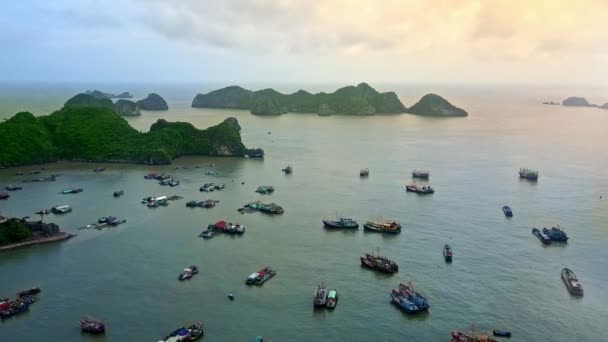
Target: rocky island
126	108
17	233
432	104
88	129
99	94
153	102
576	102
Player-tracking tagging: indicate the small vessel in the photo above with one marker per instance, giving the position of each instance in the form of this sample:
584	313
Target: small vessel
210	173
173	182
287	169
92	325
556	234
29	292
118	193
320	296
528	174
208	187
234	229
4	195
261	276
404	303
459	336
70	191
185	334
99	169
447	253
207	234
388	226
230	296
507	210
13	188
364	173
501	333
426	189
332	299
62	209
542	237
424	174
265	189
572	283
341	222
379	263
15	307
188	273
219	186
43	212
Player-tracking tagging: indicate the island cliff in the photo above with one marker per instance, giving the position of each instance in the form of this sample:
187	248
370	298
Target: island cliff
432	104
98	133
153	102
577	102
97	93
126	108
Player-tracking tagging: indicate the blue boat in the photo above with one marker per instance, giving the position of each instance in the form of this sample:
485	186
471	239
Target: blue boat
507	210
542	237
404	303
556	234
412	295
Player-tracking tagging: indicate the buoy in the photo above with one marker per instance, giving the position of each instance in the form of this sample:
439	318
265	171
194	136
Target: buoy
230	296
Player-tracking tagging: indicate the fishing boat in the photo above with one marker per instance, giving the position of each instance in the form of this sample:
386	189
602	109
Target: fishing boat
173	183
542	237
320	296
501	333
332	299
92	325
572	283
413	296
70	191
118	193
235	229
207	187
364	173
556	234
15	307
528	174
4	195
404	303
341	222
379	263
287	169
388	226
186	334
207	234
188	273
426	189
13	188
507	210
219	186
447	253
459	336
265	189
62	209
99	169
43	212
210	173
261	276
424	174
29	292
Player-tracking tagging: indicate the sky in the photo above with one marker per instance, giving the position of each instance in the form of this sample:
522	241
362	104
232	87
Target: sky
346	41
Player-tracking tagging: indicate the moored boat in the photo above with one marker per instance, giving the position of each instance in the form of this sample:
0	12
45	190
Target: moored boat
62	209
188	273
501	333
388	226
404	303
423	174
332	299
572	283
507	211
341	222
265	189
185	334
29	292
261	276
288	169
542	237
92	325
379	263
364	172
207	234
320	296
447	253
426	189
528	174
70	191
413	296
118	193
459	336
556	234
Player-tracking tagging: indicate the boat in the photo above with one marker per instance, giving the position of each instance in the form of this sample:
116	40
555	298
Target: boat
235	229
29	292
332	299
459	336
43	212
12	188
404	303
92	325
556	234
341	222
501	333
99	169
572	283
230	296
208	187
173	183
219	186
364	173
270	208
447	253
320	296
188	273
185	334
507	210
528	174
424	174
265	189
261	276
413	296
388	226
210	173
287	169
207	234
118	193
426	189
4	195
70	191
542	237
62	209
165	182
379	263
15	307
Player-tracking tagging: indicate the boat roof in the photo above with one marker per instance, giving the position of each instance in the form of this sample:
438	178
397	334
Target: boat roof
253	275
220	224
332	294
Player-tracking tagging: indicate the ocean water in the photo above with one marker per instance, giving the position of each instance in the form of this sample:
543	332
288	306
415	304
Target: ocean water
501	277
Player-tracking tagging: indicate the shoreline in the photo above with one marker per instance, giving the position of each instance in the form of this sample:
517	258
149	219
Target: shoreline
60	237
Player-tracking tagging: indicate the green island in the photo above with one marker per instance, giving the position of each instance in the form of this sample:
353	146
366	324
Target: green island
16	233
351	100
89	129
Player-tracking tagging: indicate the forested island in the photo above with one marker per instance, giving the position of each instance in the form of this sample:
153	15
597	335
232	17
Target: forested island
88	128
15	233
352	100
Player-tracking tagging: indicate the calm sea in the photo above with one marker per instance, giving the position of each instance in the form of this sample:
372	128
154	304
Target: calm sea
501	277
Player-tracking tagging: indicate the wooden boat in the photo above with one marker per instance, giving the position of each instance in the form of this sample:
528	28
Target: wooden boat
332	299
507	211
364	172
572	284
379	263
287	169
341	222
404	303
556	234
501	333
92	325
62	209
542	237
265	189
186	334
188	273
423	174
29	292
447	253
320	296
388	226
424	190
207	234
528	174
261	276
459	336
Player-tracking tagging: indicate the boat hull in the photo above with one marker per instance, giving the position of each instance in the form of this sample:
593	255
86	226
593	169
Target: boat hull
370	228
338	225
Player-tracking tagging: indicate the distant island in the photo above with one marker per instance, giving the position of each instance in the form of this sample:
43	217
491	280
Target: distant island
351	100
97	93
17	233
89	129
574	101
153	102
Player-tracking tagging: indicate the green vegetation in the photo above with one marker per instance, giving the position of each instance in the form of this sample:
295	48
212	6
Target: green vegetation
153	102
89	100
432	104
126	108
98	133
359	100
14	231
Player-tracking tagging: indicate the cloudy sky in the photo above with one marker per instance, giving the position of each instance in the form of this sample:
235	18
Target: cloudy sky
231	41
